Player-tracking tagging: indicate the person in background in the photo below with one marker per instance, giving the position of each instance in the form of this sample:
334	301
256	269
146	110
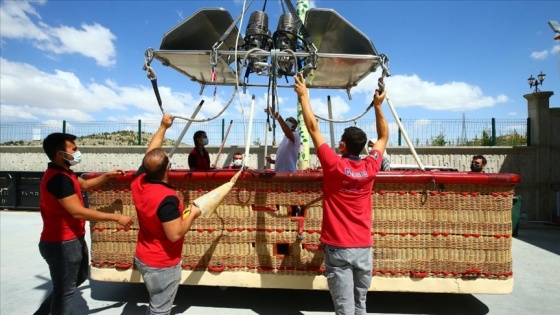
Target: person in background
162	224
347	207
478	163
236	161
386	163
287	153
199	159
61	204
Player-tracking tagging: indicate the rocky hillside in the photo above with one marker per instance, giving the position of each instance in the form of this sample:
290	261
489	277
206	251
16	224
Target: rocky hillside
118	138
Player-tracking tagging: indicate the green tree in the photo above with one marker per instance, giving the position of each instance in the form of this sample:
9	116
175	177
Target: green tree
439	141
486	139
512	139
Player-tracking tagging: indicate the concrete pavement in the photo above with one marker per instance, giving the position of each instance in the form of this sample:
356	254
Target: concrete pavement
25	281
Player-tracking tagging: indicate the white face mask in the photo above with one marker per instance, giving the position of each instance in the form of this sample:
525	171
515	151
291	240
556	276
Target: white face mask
77	157
290	124
237	163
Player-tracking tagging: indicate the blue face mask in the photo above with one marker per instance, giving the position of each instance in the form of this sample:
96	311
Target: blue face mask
77	158
290	124
204	141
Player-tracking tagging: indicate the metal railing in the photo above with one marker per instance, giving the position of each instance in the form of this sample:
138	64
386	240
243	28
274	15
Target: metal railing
422	132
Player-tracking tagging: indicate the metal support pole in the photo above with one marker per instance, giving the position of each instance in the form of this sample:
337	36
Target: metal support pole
139	142
223	126
493	131
224	138
331	124
185	129
400	135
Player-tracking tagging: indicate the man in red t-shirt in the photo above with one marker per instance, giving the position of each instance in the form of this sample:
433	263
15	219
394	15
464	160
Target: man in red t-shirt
162	226
347	222
62	243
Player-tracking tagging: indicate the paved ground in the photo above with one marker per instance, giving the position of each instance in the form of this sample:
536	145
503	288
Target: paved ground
24	281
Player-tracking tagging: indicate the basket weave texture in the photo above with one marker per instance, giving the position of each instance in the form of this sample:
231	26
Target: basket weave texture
456	231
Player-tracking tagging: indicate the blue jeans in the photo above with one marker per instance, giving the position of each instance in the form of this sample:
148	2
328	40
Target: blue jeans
162	285
69	266
348	272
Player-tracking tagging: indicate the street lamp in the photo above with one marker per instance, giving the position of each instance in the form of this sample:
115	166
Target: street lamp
536	82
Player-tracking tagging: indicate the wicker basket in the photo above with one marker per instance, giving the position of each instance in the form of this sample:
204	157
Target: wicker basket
432	225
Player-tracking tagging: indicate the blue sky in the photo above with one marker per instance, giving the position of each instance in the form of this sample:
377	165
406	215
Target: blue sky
82	60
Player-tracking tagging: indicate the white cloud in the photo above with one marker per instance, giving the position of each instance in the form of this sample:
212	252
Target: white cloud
319	105
24	84
17	112
338	104
26	112
539	55
93	41
17	21
61	95
542	55
411	90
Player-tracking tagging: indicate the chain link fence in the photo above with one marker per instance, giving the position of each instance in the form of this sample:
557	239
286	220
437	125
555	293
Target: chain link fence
421	132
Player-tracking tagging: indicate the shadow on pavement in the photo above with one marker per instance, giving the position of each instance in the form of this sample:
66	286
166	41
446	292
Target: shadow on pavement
282	302
542	235
424	303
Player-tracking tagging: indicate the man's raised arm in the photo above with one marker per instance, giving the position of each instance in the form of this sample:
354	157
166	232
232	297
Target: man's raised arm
308	115
157	140
380	122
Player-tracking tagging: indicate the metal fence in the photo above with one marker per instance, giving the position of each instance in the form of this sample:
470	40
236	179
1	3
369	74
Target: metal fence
421	132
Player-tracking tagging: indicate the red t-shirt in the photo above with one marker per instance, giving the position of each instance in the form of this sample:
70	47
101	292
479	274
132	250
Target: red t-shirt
156	202
347	186
58	223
